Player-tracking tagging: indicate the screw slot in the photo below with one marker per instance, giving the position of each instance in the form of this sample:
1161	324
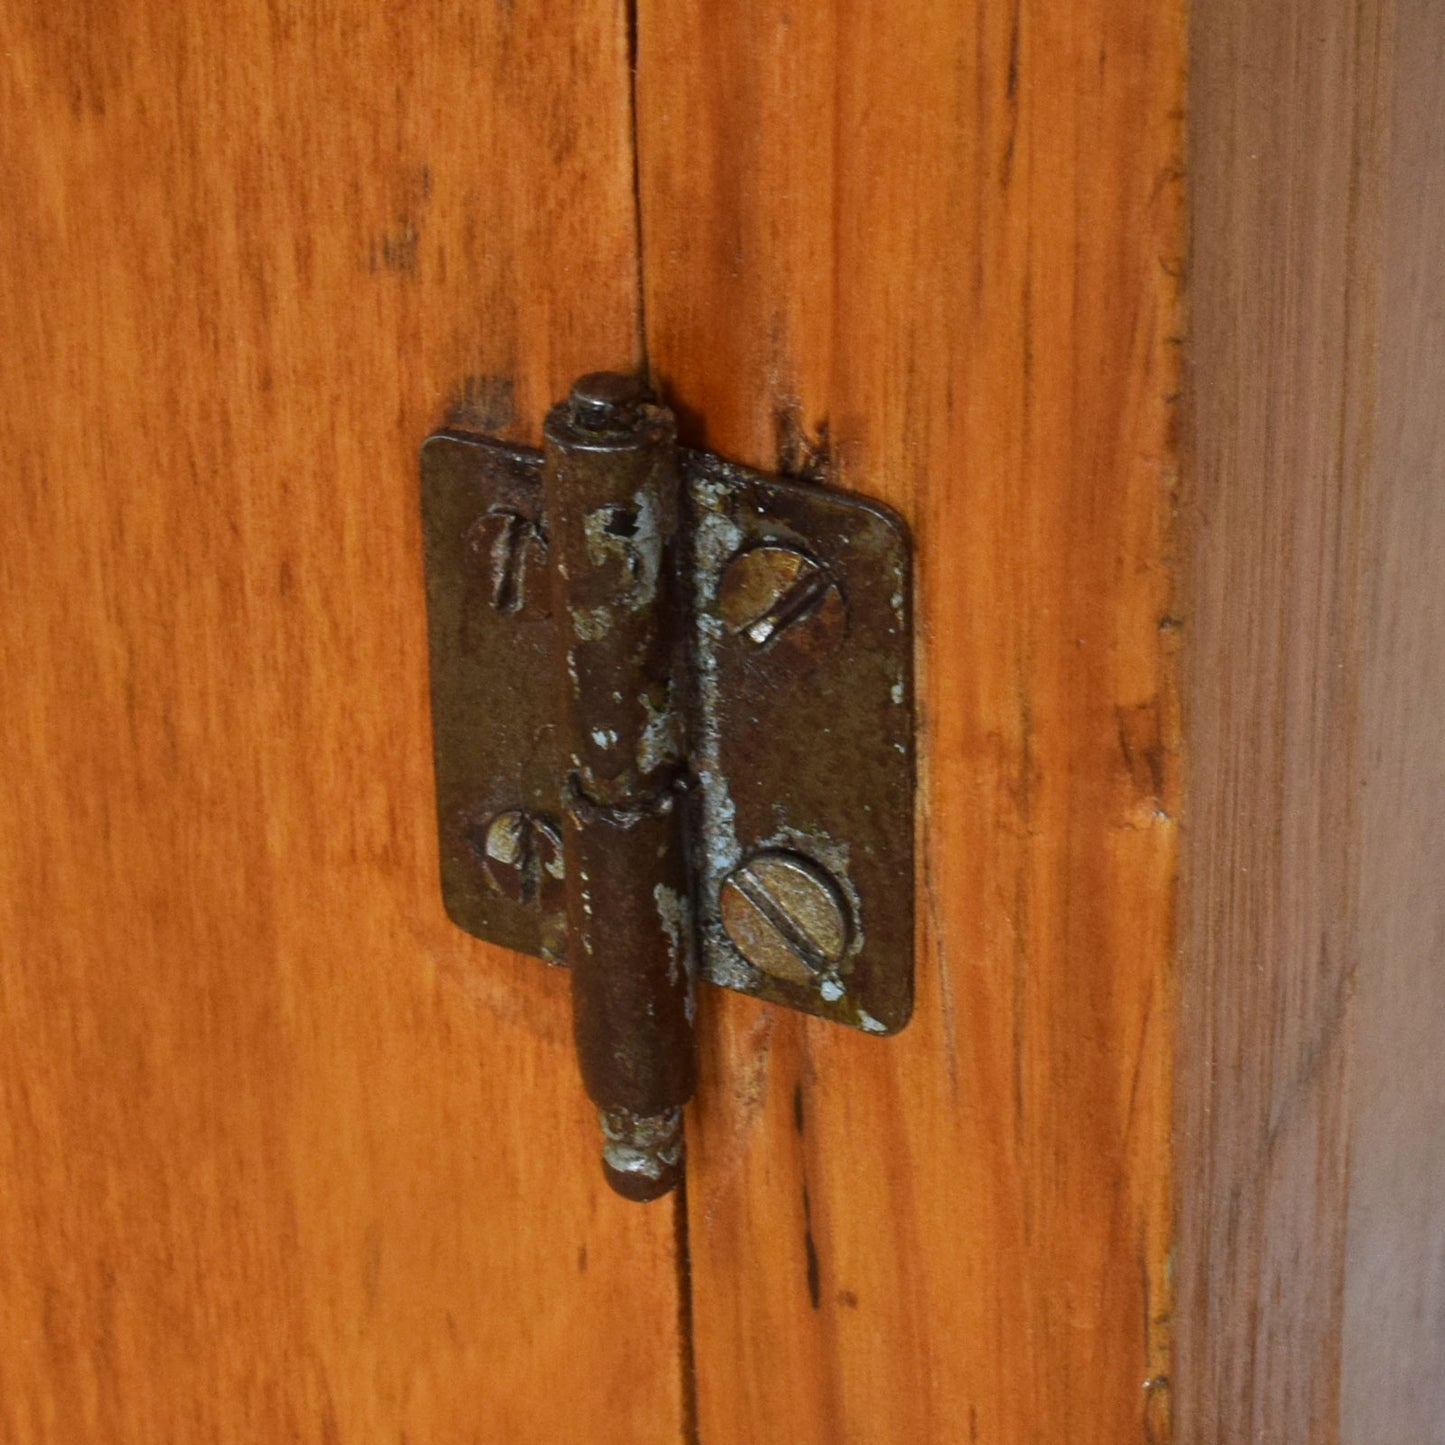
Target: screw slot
521	854
513	544
786	916
774	594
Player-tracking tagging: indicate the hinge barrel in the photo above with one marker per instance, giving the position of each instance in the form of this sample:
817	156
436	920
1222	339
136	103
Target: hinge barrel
611	491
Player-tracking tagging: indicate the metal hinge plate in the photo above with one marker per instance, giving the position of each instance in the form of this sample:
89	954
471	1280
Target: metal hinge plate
799	722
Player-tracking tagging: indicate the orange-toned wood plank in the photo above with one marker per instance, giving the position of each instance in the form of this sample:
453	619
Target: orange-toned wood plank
285	1155
933	252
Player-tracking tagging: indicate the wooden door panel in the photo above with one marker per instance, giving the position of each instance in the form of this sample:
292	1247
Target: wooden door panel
286	1155
932	253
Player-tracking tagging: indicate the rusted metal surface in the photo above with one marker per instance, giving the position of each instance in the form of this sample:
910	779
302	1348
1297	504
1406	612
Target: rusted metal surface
801	732
612	499
642	1154
632	954
493	691
673	714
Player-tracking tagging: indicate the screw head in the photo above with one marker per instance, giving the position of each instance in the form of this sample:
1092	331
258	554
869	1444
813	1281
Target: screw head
785	915
521	854
514	550
778	595
606	402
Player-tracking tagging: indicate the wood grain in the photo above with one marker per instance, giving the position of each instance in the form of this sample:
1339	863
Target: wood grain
1285	123
932	253
1392	1348
285	1155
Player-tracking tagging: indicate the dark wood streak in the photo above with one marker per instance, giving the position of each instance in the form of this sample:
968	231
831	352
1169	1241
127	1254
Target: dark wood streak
810	1252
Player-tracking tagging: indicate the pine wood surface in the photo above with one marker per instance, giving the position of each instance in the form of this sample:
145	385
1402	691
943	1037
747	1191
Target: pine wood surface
285	1155
933	252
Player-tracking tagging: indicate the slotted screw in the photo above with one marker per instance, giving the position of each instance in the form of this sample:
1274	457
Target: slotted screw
514	550
770	591
785	915
521	855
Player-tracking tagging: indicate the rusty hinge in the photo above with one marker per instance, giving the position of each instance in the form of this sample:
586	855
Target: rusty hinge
672	705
